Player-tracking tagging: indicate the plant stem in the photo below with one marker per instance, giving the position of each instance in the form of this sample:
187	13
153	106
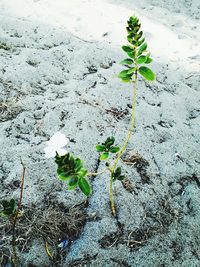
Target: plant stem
112	204
97	173
125	142
131	124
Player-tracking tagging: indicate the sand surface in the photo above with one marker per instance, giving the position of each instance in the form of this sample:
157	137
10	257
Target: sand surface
58	68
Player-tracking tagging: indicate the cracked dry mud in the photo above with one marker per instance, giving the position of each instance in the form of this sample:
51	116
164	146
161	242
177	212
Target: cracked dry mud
54	77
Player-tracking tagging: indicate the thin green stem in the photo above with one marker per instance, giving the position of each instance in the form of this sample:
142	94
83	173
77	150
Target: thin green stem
112	204
131	124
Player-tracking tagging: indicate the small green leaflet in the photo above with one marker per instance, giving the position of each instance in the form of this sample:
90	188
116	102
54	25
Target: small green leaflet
121	177
100	148
131	54
9	207
142	48
73	182
141	59
64	176
82	172
104	156
147	73
114	149
124	74
126	61
127	48
131	70
84	186
149	60
126	80
141	41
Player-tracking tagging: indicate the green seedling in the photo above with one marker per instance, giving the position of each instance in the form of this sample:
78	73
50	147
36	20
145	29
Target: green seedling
138	58
71	169
135	63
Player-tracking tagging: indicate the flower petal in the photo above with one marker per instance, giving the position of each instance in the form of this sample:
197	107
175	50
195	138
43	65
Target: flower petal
61	151
49	152
58	140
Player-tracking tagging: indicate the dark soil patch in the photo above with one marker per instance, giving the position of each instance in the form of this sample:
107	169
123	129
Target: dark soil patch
140	164
118	114
184	181
128	185
52	224
110	240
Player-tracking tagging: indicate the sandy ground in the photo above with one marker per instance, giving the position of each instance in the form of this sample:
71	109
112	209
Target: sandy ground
58	69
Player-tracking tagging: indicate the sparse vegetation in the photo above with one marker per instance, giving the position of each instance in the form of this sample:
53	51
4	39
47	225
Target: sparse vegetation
5	46
54	225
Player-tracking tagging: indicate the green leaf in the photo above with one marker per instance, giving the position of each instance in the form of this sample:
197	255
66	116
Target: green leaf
84	186
118	172
131	54
126	61
104	156
121	177
109	142
100	148
64	176
131	40
142	48
139	35
73	182
147	73
59	171
114	149
78	164
149	60
9	207
127	49
141	59
124	74
126	80
141	41
131	70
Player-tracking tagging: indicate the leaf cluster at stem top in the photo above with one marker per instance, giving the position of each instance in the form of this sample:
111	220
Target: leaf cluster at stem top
71	169
137	52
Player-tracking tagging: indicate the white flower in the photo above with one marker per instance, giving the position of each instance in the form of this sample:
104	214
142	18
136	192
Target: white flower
56	143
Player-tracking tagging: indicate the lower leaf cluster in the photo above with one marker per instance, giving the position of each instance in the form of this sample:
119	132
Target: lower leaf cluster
71	169
117	175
